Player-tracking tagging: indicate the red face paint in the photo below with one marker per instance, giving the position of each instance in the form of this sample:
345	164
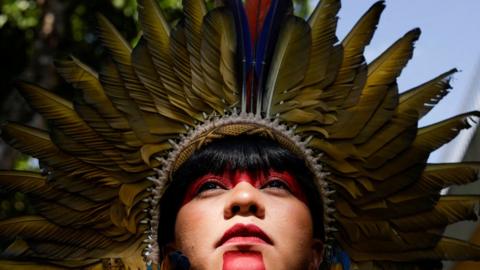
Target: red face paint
229	179
239	260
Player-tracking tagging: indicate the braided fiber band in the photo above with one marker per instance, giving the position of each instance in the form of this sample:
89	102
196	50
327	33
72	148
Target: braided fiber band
233	130
220	127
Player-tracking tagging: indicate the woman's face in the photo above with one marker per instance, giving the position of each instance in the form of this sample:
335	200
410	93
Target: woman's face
240	220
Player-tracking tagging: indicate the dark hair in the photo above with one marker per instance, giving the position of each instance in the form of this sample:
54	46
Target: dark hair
247	153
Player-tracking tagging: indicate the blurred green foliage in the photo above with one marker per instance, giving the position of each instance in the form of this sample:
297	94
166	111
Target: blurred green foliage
26	163
21	13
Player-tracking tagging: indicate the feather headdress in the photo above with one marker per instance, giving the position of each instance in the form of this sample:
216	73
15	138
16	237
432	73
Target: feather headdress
250	68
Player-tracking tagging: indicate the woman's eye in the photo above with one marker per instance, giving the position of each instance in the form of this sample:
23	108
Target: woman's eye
209	186
276	184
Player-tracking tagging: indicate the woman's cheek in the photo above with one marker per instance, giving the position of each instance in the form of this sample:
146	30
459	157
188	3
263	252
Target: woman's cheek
189	214
291	222
194	232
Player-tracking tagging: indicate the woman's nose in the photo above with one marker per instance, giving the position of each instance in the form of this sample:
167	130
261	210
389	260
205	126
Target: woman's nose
244	200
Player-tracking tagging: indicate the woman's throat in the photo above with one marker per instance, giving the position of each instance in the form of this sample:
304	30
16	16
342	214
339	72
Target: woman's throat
229	179
241	260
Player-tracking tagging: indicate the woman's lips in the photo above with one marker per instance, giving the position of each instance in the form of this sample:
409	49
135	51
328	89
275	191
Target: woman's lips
244	234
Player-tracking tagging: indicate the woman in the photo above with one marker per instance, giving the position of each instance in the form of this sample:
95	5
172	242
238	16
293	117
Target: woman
223	138
249	200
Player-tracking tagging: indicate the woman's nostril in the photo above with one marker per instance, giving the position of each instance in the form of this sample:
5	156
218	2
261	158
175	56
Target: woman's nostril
252	209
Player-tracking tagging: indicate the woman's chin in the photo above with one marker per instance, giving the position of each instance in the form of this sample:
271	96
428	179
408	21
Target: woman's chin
238	260
236	257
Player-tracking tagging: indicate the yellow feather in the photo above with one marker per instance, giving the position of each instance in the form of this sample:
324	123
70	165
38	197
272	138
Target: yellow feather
61	112
157	34
379	236
96	218
33	265
323	23
181	58
128	192
423	98
446	212
17	249
37	185
387	67
143	124
380	116
95	188
183	69
351	75
380	95
132	222
117	213
81	151
121	54
86	80
145	70
38	228
37	143
351	121
218	56
385	189
435	177
432	137
149	150
289	62
401	127
439	176
94	107
446	249
194	11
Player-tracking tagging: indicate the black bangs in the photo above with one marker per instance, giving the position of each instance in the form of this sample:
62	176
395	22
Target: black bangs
245	153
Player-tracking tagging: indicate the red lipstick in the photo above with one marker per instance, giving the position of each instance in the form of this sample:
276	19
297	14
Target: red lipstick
243	234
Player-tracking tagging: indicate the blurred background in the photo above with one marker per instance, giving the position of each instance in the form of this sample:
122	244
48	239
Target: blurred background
33	33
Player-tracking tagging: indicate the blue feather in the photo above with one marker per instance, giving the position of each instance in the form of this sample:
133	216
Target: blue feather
264	37
338	256
266	42
344	260
245	48
269	33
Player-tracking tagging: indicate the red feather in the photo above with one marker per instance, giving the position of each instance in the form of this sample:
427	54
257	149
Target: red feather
256	11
